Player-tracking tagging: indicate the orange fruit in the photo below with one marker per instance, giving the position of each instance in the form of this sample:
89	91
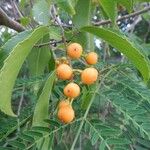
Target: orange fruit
89	75
66	114
63	103
74	50
64	72
72	90
91	58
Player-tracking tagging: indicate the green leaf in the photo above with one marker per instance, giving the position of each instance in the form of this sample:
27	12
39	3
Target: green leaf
12	66
34	134
86	97
94	138
26	137
7	47
17	144
52	122
55	33
44	144
109	6
137	147
144	142
41	129
38	58
127	3
51	141
41	12
121	43
51	63
110	132
93	131
121	148
66	5
141	118
6	148
102	145
25	21
37	61
146	126
83	18
118	141
42	106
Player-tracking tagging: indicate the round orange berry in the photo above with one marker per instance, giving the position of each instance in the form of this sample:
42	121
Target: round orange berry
91	58
72	90
64	72
66	114
89	75
74	50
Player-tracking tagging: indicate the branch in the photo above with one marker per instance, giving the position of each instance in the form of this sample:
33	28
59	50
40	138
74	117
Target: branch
123	17
50	43
8	22
59	22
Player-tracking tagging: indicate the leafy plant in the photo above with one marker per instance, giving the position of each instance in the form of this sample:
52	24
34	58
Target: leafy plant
77	75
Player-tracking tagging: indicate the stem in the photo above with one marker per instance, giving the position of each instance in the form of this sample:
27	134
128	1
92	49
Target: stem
82	122
54	131
16	8
99	135
71	101
87	111
8	22
60	24
49	43
19	108
77	70
124	17
58	20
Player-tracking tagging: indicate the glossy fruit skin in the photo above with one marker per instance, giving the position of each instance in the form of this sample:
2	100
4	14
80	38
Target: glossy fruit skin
63	103
72	90
89	75
91	58
74	50
66	114
64	72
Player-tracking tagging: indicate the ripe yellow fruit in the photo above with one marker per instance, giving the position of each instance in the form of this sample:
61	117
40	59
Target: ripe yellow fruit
72	90
63	103
64	72
89	75
66	114
74	50
91	58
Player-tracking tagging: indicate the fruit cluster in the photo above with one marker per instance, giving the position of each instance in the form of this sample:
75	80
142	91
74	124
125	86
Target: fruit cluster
64	71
